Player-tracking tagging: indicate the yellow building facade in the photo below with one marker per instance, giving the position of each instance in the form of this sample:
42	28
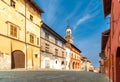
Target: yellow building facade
20	34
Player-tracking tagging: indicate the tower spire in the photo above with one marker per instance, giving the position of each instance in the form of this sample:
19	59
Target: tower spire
68	23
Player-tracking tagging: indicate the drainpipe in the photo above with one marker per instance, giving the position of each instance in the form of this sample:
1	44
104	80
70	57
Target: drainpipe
41	22
25	33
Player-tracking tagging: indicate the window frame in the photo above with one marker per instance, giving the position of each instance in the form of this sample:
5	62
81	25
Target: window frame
47	47
12	3
32	37
56	41
56	52
31	17
13	31
63	54
38	41
46	36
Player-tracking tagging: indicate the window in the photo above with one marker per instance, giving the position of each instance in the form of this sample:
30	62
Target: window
72	55
62	54
47	47
56	41
36	55
56	61
37	41
62	63
13	31
63	45
68	32
56	51
31	17
12	3
46	36
31	38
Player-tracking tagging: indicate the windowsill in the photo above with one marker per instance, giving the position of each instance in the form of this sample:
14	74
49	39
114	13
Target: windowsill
13	37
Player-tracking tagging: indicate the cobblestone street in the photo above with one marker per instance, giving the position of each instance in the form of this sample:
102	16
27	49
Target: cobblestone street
51	76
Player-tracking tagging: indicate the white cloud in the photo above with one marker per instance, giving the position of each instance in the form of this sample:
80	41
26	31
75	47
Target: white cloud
50	8
90	12
81	20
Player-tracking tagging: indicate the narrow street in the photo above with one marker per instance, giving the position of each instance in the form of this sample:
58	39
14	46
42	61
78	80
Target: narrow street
51	76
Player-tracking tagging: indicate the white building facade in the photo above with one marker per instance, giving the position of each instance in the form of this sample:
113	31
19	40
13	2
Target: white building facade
53	52
68	58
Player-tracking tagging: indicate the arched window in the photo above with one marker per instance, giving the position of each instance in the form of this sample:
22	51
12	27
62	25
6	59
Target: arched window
68	32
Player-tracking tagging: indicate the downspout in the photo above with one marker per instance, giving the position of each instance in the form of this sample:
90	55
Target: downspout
25	33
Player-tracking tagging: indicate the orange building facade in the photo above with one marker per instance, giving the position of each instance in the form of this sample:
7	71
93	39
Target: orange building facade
75	57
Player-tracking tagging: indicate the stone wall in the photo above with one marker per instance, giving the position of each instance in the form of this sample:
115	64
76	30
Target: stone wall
5	61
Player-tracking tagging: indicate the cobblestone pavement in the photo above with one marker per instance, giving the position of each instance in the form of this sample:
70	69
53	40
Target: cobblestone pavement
51	76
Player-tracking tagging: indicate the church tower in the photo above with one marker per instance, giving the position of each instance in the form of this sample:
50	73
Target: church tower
68	36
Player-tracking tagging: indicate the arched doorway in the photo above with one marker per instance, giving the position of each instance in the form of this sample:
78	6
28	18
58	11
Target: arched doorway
118	65
76	65
18	59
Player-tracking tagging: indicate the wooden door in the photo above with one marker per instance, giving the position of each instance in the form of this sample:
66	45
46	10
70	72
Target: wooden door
18	59
118	65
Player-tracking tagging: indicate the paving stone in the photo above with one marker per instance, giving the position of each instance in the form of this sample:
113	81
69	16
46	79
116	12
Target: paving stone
51	76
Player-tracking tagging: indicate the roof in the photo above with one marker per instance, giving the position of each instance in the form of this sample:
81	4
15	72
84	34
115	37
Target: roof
83	58
106	7
105	36
68	27
75	47
89	61
32	2
45	26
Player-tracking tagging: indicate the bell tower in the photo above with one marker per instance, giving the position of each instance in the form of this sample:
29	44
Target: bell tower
68	36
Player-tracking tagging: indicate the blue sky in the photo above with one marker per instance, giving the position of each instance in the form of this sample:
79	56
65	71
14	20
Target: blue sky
85	18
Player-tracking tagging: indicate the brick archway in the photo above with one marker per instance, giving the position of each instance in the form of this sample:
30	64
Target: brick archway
118	65
18	59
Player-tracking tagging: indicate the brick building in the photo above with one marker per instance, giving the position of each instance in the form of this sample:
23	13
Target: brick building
112	46
104	48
